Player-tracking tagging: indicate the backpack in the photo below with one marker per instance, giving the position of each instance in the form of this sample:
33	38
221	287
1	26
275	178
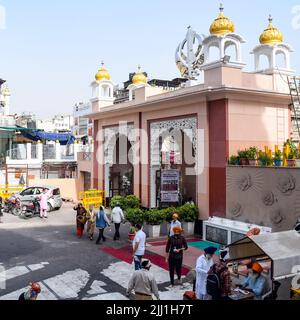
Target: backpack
213	284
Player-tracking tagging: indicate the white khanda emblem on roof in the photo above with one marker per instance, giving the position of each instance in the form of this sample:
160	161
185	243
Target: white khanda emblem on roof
189	55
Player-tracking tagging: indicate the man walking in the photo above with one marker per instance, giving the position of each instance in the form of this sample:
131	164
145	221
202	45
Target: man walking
143	283
117	217
139	246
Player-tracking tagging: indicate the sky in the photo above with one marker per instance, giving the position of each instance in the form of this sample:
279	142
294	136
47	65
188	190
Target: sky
51	50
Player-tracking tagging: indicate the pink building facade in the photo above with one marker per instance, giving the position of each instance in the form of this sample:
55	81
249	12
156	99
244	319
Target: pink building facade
230	111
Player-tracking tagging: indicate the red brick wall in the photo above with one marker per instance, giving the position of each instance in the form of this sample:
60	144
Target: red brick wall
218	154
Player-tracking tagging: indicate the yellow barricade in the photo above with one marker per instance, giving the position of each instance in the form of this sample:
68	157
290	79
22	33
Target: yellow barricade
9	191
96	198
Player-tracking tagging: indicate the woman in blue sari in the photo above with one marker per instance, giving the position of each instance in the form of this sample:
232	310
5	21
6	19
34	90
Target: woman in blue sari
101	223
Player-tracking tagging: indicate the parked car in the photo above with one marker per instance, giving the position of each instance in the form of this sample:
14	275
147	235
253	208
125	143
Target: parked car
28	195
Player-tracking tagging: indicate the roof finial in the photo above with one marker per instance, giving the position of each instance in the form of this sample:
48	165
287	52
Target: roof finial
102	63
270	18
221	7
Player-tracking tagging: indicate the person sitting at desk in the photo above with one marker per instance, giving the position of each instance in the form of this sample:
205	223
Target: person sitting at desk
256	282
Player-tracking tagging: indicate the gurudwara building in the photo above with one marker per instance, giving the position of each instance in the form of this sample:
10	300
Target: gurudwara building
168	145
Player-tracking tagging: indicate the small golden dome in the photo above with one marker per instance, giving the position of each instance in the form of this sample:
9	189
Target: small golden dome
102	74
222	24
271	35
139	78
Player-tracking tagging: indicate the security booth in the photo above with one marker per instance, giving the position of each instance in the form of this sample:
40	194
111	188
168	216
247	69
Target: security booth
279	254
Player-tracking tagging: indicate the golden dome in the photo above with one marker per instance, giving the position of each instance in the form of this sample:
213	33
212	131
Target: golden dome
139	78
102	74
271	35
222	24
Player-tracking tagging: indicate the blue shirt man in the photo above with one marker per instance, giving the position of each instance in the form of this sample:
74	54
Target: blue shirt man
256	282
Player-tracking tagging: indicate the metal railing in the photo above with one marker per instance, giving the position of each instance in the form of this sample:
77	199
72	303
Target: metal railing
18	153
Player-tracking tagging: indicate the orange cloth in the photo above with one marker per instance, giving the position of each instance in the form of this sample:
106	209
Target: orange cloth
177	230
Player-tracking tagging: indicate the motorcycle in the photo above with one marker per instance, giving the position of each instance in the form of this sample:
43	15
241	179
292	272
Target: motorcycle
13	206
30	209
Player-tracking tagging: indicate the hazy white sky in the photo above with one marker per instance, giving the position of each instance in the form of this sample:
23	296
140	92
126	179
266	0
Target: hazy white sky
51	50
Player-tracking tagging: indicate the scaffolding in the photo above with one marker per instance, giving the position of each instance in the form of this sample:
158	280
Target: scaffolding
294	86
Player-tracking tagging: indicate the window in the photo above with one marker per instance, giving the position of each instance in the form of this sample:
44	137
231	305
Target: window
28	192
56	192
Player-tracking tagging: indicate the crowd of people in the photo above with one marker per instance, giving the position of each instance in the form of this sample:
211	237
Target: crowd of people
213	278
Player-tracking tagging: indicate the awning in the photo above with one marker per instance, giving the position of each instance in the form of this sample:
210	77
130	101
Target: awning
282	248
36	135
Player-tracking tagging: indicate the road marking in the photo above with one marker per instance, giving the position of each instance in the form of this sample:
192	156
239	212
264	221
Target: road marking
96	288
69	284
120	272
115	296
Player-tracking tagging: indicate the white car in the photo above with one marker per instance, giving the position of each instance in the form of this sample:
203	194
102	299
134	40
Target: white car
28	195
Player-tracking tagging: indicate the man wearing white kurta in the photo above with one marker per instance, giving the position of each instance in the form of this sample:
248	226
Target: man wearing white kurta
204	263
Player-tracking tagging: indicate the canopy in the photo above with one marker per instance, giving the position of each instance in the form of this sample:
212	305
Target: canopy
36	135
282	248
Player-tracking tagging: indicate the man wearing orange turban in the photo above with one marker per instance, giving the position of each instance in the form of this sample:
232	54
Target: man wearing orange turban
257	282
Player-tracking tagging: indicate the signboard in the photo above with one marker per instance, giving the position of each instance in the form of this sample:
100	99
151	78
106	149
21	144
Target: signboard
169	186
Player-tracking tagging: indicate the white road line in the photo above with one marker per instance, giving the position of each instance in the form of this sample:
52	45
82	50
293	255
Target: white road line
96	288
68	284
115	296
120	272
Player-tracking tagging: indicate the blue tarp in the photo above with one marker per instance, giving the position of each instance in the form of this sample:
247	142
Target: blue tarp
36	135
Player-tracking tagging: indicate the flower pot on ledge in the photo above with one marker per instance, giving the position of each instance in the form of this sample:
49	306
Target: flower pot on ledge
253	162
244	162
291	162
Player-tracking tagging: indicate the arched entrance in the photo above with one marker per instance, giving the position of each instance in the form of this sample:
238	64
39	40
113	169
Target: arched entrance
173	162
118	157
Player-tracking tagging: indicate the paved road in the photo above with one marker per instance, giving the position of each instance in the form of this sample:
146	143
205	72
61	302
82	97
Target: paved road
48	251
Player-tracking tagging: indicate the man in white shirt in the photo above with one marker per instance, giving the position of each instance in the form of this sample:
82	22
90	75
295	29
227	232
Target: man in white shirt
117	217
204	263
143	283
174	223
139	246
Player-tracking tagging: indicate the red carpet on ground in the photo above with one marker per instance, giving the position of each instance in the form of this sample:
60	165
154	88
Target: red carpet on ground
125	254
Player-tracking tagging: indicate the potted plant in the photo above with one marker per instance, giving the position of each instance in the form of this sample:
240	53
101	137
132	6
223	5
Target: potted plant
131	233
131	201
252	156
188	215
117	199
278	158
243	156
154	219
135	216
234	161
265	160
297	156
291	160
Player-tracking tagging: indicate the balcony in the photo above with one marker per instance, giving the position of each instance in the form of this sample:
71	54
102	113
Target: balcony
38	154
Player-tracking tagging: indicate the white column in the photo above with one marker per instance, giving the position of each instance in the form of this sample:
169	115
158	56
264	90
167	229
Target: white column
40	151
76	150
28	151
57	151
